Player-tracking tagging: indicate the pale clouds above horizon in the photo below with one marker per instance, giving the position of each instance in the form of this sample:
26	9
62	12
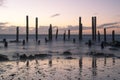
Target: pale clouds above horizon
5	28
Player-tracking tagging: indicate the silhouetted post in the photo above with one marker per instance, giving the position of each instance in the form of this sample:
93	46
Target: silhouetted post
27	28
104	34
36	20
89	43
17	34
74	40
5	44
23	42
98	36
113	36
102	45
80	29
93	28
69	34
46	40
56	34
50	33
64	36
4	40
38	42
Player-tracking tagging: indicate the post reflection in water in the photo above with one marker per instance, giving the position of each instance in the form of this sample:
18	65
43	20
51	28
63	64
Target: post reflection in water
50	62
94	66
113	60
105	60
80	65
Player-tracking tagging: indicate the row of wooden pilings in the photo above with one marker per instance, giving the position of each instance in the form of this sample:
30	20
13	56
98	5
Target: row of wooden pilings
94	31
50	35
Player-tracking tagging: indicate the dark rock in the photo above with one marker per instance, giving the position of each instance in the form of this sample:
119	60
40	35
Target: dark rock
110	55
23	57
69	58
67	53
12	75
113	49
99	54
42	55
31	57
3	57
115	44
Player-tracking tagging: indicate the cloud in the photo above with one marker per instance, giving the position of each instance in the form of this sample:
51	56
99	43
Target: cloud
110	25
3	23
96	13
55	15
6	28
1	2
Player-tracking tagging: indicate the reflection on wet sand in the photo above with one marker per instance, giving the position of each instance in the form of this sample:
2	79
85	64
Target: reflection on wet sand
80	68
105	61
50	62
94	66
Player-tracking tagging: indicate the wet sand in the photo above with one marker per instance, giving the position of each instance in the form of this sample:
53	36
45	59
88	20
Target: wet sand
79	68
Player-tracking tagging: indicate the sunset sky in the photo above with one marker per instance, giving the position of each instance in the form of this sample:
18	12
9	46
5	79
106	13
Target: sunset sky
59	12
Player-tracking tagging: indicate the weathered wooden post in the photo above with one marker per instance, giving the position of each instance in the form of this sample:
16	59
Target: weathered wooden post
50	33
36	32
56	34
69	34
94	28
27	28
104	34
23	42
64	36
80	29
5	43
17	34
113	36
98	36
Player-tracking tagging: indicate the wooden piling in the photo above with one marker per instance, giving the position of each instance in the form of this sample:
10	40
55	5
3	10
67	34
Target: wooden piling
27	28
50	33
17	34
36	32
94	28
69	34
113	36
80	29
64	36
56	34
5	44
104	34
98	36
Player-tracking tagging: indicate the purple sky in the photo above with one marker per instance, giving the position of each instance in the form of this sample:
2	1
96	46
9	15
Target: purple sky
60	13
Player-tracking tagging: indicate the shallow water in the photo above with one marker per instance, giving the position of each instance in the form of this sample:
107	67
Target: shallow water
81	68
77	66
